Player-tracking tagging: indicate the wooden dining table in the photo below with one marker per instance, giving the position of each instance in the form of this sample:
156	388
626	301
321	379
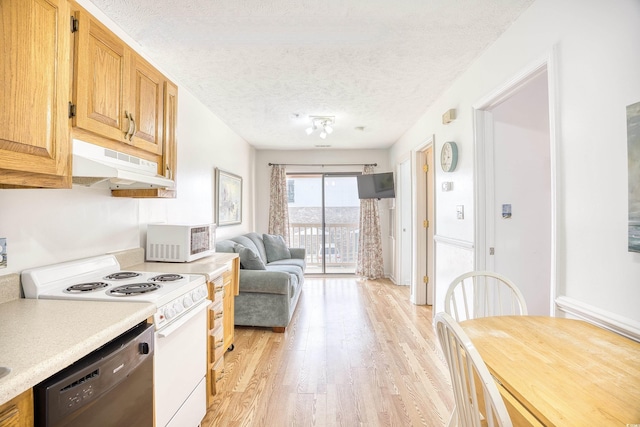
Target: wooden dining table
554	371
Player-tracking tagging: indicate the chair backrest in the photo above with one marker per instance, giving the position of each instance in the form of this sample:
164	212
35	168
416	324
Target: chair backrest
478	401
483	294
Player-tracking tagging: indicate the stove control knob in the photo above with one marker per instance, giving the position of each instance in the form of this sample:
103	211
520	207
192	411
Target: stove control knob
187	301
201	293
169	313
178	307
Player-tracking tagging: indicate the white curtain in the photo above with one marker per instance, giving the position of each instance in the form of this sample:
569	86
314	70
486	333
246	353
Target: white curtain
370	263
278	203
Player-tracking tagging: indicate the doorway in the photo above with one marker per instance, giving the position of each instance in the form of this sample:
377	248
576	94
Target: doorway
515	231
324	213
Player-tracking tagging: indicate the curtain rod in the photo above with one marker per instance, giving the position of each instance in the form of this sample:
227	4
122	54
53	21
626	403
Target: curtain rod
323	164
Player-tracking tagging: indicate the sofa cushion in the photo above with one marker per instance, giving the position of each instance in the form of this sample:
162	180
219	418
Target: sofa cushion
249	240
275	247
249	260
293	270
293	261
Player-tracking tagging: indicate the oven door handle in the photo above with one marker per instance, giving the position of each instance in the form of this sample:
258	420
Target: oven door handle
171	328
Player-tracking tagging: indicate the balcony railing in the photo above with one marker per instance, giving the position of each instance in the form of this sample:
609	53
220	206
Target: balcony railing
340	246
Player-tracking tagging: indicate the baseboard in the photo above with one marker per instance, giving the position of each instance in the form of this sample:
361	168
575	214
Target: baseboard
605	319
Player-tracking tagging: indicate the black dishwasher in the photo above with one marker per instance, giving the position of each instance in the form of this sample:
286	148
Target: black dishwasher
112	386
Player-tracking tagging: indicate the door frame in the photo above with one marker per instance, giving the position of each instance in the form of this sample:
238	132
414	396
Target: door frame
402	207
423	237
483	161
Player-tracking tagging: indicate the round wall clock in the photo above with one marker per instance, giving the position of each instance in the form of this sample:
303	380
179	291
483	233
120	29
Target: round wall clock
449	156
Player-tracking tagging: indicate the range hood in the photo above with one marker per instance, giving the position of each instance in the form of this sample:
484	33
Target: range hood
93	165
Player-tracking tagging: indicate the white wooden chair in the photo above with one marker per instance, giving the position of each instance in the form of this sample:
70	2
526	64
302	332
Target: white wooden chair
478	401
482	294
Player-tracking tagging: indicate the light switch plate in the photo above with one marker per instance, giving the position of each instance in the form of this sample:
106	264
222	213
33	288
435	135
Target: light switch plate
3	252
506	211
460	211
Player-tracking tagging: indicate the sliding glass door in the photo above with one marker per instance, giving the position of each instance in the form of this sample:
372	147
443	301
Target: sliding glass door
324	212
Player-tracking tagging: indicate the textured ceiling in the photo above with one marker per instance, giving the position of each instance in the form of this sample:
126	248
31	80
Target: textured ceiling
257	64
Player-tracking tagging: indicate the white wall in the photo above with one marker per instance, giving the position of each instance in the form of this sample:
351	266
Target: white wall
263	174
596	77
50	226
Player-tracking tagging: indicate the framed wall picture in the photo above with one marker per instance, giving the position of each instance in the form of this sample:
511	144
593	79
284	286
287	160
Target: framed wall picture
633	157
228	198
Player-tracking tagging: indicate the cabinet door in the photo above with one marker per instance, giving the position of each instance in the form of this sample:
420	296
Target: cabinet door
146	101
18	412
34	93
170	122
102	77
230	291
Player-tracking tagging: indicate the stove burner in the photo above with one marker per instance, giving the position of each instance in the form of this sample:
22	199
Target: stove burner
133	289
122	275
86	287
166	278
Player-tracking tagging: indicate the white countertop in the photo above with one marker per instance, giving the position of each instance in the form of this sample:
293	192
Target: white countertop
211	266
40	337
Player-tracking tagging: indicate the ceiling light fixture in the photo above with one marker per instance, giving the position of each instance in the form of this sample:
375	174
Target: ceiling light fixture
310	129
323	123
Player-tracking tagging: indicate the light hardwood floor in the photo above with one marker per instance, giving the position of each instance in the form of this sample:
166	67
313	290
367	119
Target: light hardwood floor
356	353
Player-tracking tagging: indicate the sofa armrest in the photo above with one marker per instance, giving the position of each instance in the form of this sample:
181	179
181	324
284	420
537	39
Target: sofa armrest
299	253
263	281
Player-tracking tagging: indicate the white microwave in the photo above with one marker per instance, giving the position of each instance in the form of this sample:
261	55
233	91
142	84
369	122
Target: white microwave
180	243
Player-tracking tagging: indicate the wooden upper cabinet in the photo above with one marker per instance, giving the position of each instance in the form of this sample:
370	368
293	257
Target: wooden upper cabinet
146	100
35	42
101	80
118	95
170	122
168	164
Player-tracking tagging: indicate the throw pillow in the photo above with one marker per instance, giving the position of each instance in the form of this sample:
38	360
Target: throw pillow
249	260
275	247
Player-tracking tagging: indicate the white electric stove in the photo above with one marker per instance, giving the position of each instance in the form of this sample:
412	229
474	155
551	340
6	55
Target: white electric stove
101	279
180	323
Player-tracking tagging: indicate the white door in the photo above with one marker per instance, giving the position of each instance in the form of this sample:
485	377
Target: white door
519	192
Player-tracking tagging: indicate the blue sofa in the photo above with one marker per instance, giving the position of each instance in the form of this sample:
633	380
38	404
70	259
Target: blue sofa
271	279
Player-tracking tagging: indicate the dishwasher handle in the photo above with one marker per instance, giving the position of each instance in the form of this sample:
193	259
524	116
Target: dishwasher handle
180	321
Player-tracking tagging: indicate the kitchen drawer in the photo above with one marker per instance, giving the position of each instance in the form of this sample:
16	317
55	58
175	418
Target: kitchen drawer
216	343
216	290
217	374
215	315
227	276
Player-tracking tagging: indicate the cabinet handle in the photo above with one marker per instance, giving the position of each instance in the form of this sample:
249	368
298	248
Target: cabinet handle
135	127
130	119
169	173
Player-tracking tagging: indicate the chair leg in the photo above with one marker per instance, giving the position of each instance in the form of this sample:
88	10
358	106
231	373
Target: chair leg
278	329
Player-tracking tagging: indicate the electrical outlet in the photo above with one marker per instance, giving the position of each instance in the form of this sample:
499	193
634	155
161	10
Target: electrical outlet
460	211
3	252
